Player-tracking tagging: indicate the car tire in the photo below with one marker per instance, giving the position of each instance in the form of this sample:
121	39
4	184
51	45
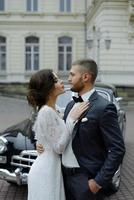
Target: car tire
113	187
12	183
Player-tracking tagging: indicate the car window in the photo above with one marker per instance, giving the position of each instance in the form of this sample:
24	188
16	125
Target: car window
104	94
66	97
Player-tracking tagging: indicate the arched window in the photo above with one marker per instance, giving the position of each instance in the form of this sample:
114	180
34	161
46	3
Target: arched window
64	53
31	53
2	53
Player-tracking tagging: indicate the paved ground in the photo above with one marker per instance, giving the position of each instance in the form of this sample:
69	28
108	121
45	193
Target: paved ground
126	191
12	192
11	109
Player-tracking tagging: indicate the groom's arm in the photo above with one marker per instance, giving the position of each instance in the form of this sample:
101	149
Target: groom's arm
40	149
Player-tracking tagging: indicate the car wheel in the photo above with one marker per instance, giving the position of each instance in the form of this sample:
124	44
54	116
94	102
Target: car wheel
113	187
116	179
11	183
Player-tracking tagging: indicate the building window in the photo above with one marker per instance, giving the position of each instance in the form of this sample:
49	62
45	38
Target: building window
2	5
31	53
32	5
2	53
65	5
64	53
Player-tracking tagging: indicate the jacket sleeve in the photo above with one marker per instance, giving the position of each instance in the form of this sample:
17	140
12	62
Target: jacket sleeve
114	144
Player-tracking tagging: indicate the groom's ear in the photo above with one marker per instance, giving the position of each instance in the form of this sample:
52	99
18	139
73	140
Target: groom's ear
86	77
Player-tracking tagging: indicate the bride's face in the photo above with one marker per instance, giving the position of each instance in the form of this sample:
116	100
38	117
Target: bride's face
58	86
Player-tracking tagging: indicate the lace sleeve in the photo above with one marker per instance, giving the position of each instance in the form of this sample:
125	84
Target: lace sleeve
57	132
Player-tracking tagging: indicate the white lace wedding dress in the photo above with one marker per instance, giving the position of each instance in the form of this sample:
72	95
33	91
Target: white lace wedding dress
45	180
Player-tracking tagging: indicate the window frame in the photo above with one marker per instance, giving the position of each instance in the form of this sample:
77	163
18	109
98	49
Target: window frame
1	10
32	53
3	44
65	6
65	53
30	6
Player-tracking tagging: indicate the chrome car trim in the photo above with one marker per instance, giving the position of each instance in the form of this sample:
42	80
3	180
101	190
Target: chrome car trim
116	177
6	175
102	93
17	177
25	159
5	142
3	159
29	152
4	139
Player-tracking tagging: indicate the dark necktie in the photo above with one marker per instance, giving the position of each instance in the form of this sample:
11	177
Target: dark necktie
77	99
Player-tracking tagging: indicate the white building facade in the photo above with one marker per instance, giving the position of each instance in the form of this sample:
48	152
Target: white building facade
38	34
110	33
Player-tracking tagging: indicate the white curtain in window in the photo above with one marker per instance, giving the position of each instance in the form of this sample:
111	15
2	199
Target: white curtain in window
2	5
2	53
65	5
32	5
31	53
64	53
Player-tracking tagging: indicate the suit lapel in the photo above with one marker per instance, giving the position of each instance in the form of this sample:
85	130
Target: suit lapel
91	101
92	98
67	110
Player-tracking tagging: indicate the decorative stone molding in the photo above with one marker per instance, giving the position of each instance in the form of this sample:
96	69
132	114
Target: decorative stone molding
131	28
131	10
131	35
93	2
131	19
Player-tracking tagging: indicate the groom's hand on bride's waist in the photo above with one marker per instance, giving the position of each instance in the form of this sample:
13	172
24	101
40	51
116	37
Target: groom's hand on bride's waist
40	148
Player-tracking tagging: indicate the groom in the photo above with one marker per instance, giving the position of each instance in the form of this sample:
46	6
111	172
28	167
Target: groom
97	148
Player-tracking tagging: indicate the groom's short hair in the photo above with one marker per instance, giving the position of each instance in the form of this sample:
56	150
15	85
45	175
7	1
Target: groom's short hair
88	65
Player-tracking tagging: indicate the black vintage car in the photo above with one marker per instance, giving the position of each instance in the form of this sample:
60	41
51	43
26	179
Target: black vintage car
17	143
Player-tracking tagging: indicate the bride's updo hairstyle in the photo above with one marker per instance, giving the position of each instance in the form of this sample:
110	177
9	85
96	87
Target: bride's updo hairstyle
39	88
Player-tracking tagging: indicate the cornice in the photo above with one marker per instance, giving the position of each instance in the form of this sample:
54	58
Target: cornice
15	18
42	14
96	4
43	23
120	72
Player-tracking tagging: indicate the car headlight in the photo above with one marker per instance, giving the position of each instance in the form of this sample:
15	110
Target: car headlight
3	144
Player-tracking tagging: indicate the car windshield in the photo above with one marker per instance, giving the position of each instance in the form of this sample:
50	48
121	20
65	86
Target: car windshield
104	94
66	97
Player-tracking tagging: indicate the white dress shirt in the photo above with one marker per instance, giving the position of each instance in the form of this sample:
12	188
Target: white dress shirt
68	157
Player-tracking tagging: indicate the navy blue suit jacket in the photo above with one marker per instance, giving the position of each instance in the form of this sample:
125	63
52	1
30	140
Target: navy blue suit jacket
98	142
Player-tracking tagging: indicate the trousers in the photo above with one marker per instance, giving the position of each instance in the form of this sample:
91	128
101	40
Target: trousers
76	185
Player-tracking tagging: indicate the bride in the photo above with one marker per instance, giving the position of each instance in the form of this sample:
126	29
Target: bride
45	180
